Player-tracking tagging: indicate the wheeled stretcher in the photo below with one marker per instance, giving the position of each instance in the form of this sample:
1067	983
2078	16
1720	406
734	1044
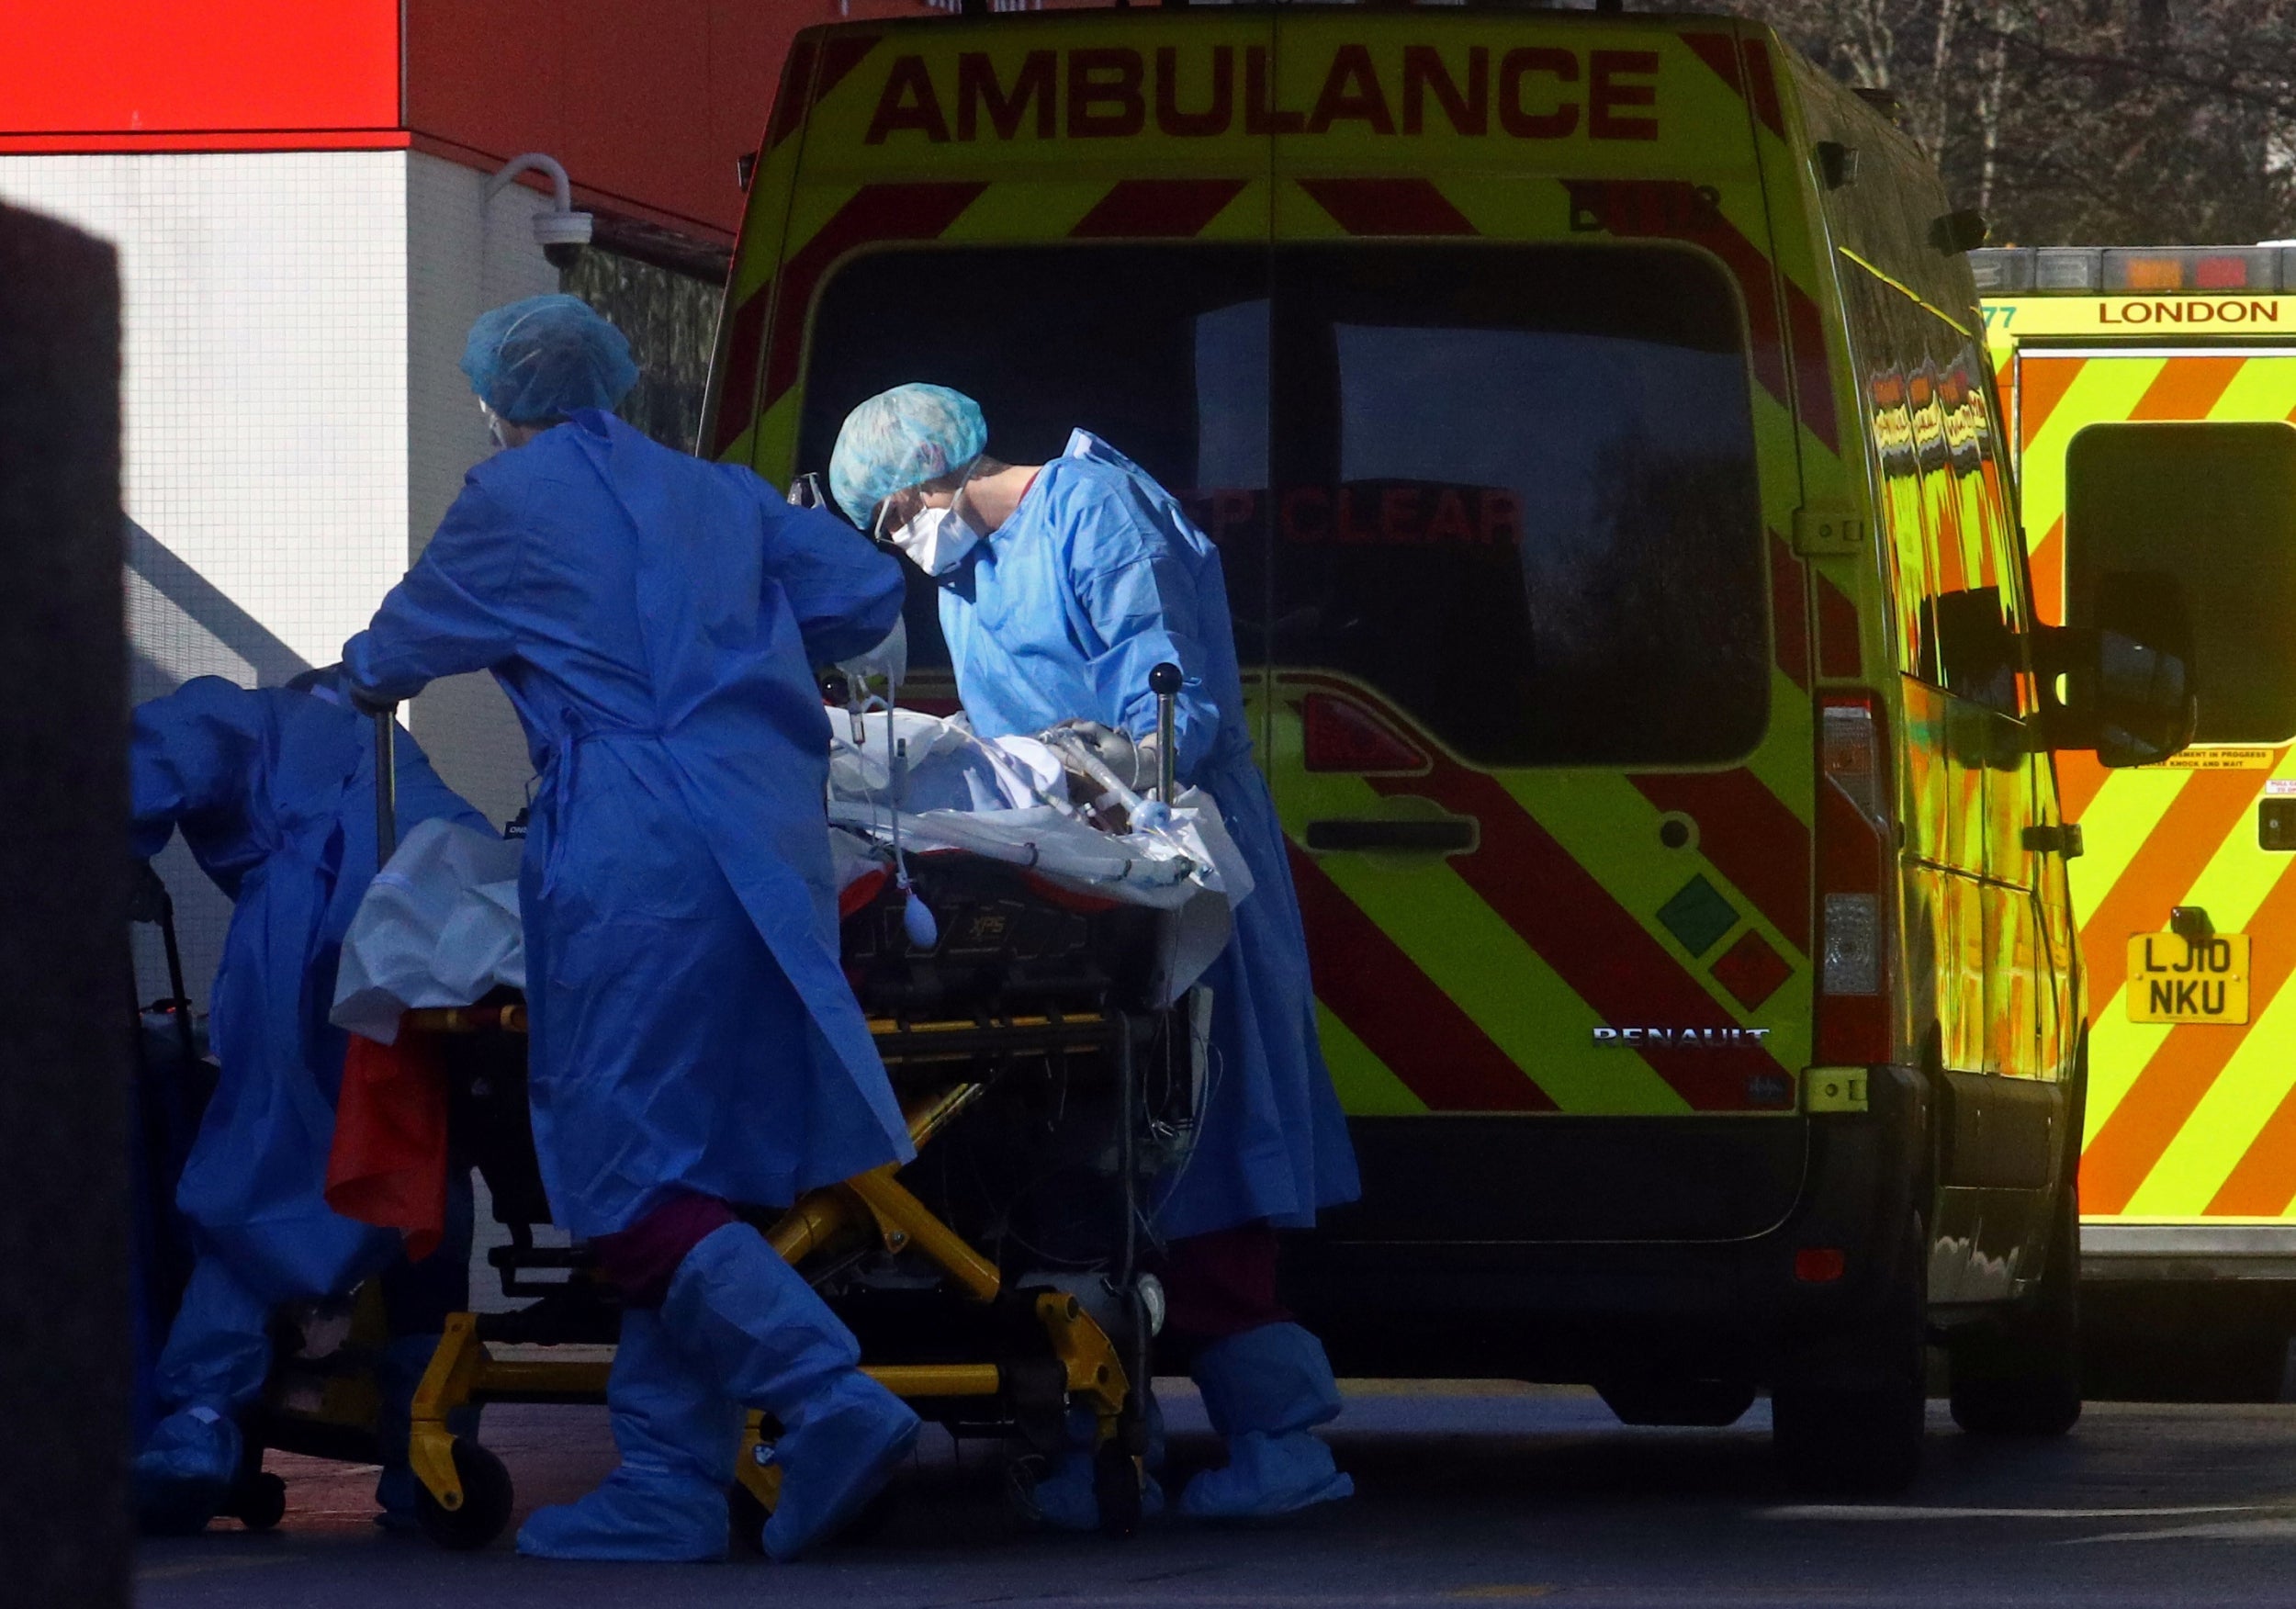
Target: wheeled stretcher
995	1283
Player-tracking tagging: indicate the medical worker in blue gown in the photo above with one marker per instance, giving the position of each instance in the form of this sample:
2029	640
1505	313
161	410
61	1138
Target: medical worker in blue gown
656	621
1062	586
273	790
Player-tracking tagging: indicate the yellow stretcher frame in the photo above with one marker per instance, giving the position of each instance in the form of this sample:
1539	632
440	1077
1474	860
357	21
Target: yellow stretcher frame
466	1370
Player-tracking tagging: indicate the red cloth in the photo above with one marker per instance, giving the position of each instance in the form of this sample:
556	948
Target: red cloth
1222	1284
388	1163
856	895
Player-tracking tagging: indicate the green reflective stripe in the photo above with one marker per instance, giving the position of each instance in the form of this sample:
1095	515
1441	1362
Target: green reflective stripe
2263	389
2106	390
1366	1087
1470	952
1783	762
2115	825
1609	828
1034	210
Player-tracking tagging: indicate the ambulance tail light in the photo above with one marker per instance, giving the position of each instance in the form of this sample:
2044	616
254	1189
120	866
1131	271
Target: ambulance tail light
1854	873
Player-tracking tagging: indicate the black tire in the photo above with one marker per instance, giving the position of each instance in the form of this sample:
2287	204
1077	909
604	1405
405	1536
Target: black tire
2021	1377
1853	1424
259	1501
485	1502
1118	1486
1678	1401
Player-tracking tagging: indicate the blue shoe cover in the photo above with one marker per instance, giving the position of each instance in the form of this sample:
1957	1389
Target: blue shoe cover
1266	1475
633	1515
185	1471
678	1435
394	1497
1067	1500
1263	1392
397	1372
758	1333
845	1445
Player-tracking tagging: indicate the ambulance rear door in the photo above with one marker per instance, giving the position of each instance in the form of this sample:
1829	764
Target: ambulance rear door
1540	723
2192	1114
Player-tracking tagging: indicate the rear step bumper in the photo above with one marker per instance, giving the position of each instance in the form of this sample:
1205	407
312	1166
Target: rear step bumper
1469	1301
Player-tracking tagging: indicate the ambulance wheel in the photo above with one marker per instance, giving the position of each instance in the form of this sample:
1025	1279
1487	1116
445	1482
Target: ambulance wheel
485	1502
260	1502
2021	1377
1117	1485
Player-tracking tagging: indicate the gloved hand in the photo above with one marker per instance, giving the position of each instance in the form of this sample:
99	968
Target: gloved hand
1132	759
889	658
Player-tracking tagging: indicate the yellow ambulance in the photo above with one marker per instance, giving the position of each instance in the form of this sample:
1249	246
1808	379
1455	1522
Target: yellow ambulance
2189	1172
1593	416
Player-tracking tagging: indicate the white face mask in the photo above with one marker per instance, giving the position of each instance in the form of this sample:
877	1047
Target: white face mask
937	540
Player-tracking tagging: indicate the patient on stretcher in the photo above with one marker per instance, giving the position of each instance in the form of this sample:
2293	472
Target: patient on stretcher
439	925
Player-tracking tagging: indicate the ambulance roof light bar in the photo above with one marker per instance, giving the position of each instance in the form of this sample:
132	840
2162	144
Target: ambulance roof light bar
2134	270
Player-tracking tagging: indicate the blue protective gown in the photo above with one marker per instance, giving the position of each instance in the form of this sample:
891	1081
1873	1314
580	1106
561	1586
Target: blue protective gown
274	793
655	620
1060	615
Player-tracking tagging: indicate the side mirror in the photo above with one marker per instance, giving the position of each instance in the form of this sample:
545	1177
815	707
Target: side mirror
1954	234
2127	681
1976	652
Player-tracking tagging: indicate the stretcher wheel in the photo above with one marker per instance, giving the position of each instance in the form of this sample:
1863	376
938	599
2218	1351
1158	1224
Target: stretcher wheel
260	1502
1117	1485
485	1502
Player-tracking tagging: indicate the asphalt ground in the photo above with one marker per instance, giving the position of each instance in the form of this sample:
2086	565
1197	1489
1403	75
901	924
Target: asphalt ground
1467	1492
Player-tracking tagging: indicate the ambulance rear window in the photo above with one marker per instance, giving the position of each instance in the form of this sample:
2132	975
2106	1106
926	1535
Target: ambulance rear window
1517	495
1512	488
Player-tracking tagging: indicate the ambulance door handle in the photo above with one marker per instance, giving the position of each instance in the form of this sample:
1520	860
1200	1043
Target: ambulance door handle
1444	835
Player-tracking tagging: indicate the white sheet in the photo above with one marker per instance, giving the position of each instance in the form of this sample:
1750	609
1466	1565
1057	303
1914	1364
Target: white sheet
439	927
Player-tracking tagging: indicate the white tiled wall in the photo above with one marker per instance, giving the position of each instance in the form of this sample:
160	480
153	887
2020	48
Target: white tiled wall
295	420
263	400
264	382
468	256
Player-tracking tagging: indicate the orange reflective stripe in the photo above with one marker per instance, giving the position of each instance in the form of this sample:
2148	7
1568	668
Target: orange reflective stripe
2080	778
2048	568
2042	385
2264	1182
2191	829
2189	1059
2187	387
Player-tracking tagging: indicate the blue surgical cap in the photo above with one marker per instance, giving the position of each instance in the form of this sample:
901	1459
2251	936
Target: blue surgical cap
903	438
544	357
